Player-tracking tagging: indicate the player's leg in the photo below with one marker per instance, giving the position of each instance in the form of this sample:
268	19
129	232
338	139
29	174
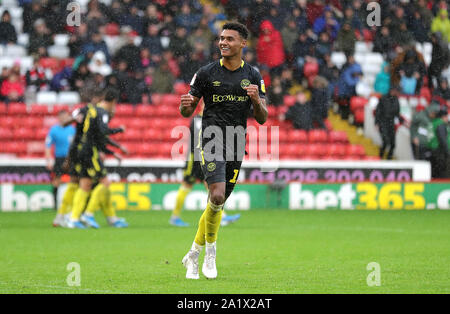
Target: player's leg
183	191
108	209
63	214
93	204
80	200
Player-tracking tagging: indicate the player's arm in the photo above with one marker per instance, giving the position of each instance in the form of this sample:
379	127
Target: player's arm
117	145
257	93
49	142
259	103
188	105
190	101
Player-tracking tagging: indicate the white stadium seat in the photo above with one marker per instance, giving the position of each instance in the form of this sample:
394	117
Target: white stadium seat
61	39
427	48
360	58
338	59
46	98
364	90
58	51
23	39
26	63
6	62
362	47
68	98
374	58
15	51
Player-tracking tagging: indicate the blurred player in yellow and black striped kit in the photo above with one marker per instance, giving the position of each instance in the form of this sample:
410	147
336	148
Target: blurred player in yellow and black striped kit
193	173
89	166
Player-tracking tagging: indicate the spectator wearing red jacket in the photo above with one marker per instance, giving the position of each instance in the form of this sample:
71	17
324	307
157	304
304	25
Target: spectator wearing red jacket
13	89
270	50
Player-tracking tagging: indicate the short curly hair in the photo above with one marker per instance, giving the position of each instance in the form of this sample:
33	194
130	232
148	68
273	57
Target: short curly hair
236	26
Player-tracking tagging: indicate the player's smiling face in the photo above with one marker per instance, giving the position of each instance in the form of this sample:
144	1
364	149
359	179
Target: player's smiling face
231	43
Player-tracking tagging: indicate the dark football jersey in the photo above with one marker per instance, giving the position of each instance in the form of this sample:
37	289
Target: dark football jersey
226	101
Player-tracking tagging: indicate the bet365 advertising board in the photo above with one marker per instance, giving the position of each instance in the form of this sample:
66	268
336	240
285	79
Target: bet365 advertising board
293	196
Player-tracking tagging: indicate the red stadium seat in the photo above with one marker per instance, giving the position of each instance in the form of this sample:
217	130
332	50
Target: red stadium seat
310	69
170	100
316	150
112	29
357	151
39	110
17	109
15	147
24	134
124	110
34	122
181	88
317	136
336	151
41	134
357	102
298	136
50	63
2	108
289	100
6	134
152	134
338	137
359	116
145	111
134	135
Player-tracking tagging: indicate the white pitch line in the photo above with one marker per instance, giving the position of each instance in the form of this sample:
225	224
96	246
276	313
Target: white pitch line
65	288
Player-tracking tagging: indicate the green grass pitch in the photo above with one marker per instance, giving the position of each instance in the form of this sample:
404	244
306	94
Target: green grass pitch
267	251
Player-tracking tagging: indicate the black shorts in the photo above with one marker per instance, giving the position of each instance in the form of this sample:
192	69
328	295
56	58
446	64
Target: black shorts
193	170
90	167
222	171
58	170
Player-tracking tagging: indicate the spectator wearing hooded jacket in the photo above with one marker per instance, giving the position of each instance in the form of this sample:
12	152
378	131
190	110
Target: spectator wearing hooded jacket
383	80
270	50
441	23
7	31
327	23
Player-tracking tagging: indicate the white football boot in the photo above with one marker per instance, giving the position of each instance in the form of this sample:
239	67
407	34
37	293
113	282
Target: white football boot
209	264
190	261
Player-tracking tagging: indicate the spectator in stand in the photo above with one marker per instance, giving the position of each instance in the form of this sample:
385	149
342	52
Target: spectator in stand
199	37
387	110
301	49
350	75
331	73
178	43
397	17
425	14
383	43
383	80
37	78
419	28
403	37
152	40
96	44
78	39
276	93
98	64
300	113
353	20
40	38
439	145
319	101
411	73
131	18
276	17
96	17
327	23
8	33
421	124
346	39
186	18
300	18
80	76
163	79
152	16
441	23
289	33
31	13
323	47
13	87
129	53
314	10
442	92
440	59
270	50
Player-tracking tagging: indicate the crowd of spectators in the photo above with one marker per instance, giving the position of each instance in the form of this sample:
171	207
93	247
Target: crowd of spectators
161	42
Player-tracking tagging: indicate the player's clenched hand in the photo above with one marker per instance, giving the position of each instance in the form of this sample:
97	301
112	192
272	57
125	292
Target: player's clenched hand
253	92
186	105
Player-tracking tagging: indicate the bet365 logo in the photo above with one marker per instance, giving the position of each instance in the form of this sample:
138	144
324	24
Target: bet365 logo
74	17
